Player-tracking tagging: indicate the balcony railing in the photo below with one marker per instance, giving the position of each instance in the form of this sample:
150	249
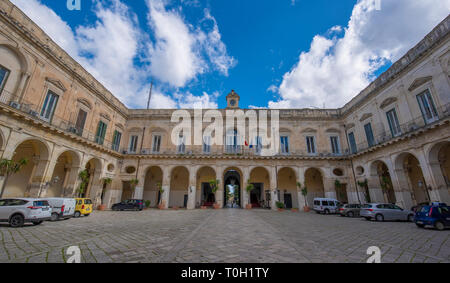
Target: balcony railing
67	125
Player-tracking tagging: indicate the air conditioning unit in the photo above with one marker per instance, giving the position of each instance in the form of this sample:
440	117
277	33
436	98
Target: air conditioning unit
14	104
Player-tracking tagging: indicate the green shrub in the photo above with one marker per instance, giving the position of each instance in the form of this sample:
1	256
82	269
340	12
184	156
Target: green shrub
280	205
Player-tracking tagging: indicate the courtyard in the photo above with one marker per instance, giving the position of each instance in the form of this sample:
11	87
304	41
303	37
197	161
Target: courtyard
221	236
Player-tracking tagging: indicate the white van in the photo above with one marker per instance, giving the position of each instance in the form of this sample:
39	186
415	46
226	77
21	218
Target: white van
62	208
326	205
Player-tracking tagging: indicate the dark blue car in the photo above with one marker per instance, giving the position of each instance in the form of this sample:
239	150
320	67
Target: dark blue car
437	216
131	204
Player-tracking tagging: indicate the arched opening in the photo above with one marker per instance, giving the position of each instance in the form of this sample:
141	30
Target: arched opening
64	175
260	178
153	181
232	188
381	170
287	186
28	181
411	173
179	187
204	195
314	183
92	171
12	72
439	160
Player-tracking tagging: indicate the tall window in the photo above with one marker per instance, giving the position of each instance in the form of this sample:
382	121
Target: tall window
133	144
284	143
116	140
81	120
207	144
156	144
427	107
335	146
311	145
181	144
258	145
4	73
352	142
232	142
48	109
101	132
369	134
394	125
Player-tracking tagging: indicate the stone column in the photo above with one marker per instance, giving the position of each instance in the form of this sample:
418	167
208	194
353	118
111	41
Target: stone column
330	190
220	191
38	185
432	172
166	186
245	195
400	185
192	190
302	200
273	188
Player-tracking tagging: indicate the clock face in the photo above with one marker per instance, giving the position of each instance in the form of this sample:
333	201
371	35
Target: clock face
232	102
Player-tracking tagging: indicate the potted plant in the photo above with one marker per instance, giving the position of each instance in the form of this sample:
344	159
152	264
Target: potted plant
280	205
161	204
147	204
214	188
84	177
304	191
250	187
9	168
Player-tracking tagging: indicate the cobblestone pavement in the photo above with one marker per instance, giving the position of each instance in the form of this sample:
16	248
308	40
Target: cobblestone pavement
232	235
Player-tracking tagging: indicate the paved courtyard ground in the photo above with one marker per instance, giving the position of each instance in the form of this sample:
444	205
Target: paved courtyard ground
232	235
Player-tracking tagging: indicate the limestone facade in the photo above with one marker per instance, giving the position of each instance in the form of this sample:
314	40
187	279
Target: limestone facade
395	135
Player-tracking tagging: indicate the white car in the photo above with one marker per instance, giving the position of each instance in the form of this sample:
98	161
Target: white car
62	208
19	211
326	205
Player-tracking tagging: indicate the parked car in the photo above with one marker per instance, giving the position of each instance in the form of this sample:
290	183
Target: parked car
326	205
437	216
83	207
386	211
350	210
19	211
62	208
130	204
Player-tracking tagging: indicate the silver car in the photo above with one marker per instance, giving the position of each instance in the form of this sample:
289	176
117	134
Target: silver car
386	212
19	211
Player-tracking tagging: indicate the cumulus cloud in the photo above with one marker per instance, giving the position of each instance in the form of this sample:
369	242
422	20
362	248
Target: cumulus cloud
335	69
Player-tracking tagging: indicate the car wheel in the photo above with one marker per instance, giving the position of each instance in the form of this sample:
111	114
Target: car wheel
420	225
36	223
350	214
327	211
367	218
77	214
439	225
16	221
410	218
55	217
379	218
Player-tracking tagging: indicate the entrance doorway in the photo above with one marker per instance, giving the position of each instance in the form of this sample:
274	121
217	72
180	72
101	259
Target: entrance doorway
208	198
256	197
232	190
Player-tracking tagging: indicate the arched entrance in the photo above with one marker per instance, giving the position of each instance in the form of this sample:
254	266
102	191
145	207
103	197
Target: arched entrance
179	187
28	181
260	178
380	169
204	195
410	175
287	185
314	184
64	175
232	189
439	160
152	183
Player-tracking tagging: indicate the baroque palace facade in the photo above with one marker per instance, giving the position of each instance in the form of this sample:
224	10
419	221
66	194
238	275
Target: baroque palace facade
391	143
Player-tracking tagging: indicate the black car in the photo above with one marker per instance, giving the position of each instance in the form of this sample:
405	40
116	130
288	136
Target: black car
131	204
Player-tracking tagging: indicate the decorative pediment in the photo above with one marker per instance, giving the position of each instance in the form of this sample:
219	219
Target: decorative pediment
309	130
388	101
365	117
120	126
56	83
105	116
332	130
85	103
418	82
351	125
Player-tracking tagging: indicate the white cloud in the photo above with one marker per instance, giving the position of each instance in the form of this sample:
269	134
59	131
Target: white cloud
335	69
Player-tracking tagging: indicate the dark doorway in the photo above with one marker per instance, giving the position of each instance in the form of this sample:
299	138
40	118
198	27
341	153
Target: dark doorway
288	200
208	198
232	189
255	196
185	201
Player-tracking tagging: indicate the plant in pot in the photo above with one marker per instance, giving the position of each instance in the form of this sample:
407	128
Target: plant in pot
280	206
304	192
161	204
147	204
250	187
84	177
9	168
214	184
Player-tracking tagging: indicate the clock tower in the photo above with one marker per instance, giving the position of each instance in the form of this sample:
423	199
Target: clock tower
233	100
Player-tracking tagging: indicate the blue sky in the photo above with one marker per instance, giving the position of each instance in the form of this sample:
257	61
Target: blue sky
276	54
